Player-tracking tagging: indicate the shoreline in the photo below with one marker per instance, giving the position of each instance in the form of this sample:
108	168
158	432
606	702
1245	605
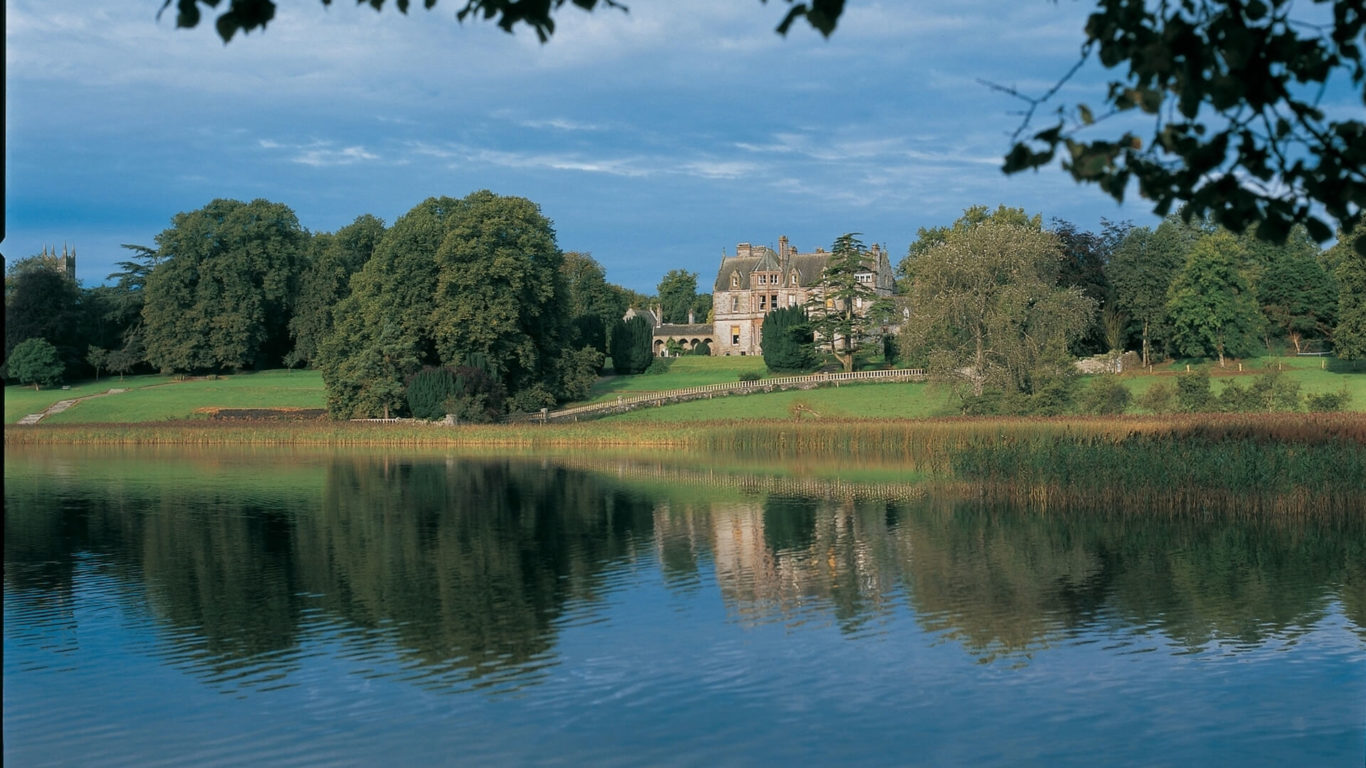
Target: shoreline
1273	427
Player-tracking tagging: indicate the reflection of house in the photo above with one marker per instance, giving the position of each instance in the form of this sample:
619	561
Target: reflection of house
757	280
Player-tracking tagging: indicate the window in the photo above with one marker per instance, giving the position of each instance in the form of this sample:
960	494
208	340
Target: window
773	300
794	277
735	334
735	303
792	299
734	280
865	277
763	302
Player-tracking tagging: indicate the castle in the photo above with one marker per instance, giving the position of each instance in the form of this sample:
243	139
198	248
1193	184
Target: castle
757	280
64	264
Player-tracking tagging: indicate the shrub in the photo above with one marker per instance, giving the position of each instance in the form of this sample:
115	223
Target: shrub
789	345
427	391
703	348
1328	401
631	341
34	361
750	376
468	392
1106	396
1159	398
1193	392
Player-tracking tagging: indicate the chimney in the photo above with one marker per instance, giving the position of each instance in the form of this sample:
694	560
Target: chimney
659	315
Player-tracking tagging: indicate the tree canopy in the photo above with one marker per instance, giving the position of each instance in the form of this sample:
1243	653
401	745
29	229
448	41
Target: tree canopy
1231	90
986	310
221	296
450	282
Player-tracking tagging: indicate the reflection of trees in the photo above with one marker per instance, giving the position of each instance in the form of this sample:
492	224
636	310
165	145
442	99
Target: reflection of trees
1001	580
467	564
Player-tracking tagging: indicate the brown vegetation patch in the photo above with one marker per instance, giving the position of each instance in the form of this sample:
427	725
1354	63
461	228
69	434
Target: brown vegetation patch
263	414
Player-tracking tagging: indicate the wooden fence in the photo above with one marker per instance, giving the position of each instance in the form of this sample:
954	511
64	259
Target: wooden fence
625	403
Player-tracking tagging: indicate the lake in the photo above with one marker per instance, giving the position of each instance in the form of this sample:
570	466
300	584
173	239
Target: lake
184	606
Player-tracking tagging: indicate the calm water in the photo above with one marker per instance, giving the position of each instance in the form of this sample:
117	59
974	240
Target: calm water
277	608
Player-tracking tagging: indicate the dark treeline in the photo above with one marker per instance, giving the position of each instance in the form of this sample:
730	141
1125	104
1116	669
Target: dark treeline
477	282
998	300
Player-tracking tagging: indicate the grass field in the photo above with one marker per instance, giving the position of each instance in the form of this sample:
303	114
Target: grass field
161	398
158	398
683	372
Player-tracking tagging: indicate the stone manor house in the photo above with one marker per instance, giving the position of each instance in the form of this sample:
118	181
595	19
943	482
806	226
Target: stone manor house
755	281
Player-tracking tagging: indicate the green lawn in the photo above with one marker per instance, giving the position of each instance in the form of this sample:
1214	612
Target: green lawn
683	372
21	401
1316	375
157	398
849	401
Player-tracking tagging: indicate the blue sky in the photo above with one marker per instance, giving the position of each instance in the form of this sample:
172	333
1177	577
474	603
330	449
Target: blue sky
652	139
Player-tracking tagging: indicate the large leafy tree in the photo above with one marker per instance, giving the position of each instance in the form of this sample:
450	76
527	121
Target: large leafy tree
456	280
42	302
1084	258
1231	89
929	237
1213	310
677	294
1141	268
986	309
222	294
34	361
592	304
838	308
326	280
1348	260
1298	296
498	294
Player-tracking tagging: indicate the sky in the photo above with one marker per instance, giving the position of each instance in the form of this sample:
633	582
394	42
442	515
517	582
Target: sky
654	140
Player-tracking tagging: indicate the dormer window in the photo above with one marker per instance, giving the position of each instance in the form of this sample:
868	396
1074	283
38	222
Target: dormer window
794	277
734	280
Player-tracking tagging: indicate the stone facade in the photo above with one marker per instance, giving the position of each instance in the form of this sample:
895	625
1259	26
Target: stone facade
757	280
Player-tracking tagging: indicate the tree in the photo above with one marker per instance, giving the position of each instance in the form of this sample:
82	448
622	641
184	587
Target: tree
631	353
789	346
34	361
222	294
1298	296
1141	268
370	381
592	304
1212	309
1084	257
677	292
929	237
477	277
326	280
1348	260
986	310
1232	85
42	302
838	307
97	357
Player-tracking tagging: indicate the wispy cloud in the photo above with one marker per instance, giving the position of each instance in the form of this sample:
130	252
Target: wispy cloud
321	154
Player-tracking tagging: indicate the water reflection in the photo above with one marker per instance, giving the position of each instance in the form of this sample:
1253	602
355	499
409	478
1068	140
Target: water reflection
454	572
